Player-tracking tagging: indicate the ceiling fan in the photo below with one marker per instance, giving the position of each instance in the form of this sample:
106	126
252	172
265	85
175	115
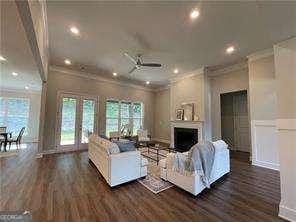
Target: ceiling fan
138	62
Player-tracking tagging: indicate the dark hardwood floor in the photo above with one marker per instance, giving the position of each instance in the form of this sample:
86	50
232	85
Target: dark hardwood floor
66	187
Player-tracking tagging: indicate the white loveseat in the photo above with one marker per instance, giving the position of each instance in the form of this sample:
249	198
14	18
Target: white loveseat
192	182
115	166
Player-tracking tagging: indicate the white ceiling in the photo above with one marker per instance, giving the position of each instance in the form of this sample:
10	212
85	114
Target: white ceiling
15	48
163	32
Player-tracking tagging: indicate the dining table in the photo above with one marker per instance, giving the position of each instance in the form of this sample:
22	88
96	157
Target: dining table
5	135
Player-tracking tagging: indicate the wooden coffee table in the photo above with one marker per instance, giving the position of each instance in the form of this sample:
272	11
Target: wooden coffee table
156	150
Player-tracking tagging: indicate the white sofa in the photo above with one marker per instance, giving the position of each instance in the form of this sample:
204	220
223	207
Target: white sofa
115	166
191	182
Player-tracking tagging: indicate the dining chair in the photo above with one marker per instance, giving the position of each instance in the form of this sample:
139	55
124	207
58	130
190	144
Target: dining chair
2	138
3	129
17	140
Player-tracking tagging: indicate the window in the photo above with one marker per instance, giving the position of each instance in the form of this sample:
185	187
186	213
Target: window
14	113
120	113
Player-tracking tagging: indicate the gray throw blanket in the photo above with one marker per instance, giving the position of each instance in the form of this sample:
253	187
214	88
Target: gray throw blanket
200	159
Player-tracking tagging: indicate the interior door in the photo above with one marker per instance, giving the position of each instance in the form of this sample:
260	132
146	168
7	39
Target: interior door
227	119
76	121
241	122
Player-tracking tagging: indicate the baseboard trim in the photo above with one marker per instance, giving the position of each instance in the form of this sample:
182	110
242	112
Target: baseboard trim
268	165
39	155
287	213
47	152
162	140
29	140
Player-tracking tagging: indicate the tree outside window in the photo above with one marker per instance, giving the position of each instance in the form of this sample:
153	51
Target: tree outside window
120	113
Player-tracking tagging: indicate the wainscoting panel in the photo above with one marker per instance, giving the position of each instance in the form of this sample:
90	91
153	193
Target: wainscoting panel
287	144
264	144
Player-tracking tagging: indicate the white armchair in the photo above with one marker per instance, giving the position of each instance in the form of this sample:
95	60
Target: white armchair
192	182
142	138
143	135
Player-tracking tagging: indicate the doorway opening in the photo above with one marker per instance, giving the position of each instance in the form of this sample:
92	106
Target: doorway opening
76	120
235	121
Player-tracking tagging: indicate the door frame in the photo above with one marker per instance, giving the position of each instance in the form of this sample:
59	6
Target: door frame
234	120
80	96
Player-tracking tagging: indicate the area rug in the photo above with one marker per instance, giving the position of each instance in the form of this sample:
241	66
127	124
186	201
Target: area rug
152	181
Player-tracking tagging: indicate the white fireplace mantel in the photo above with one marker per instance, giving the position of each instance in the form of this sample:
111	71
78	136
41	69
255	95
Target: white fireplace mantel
187	124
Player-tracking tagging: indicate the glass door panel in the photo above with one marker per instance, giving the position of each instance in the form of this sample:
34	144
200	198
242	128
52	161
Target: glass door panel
68	121
77	119
88	119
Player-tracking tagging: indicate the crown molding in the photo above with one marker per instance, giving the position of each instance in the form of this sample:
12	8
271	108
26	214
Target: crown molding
23	91
163	88
260	54
187	75
95	77
286	43
228	69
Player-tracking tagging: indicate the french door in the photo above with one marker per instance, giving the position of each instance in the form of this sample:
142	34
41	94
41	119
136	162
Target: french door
76	121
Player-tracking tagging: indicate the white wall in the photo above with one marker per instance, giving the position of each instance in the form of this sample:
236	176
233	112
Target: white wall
71	81
285	67
162	116
232	81
33	122
189	89
262	95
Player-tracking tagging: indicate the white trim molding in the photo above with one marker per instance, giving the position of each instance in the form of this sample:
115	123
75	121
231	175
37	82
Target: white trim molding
162	88
56	151
264	144
286	124
95	77
18	90
287	213
285	42
187	75
286	131
260	54
228	69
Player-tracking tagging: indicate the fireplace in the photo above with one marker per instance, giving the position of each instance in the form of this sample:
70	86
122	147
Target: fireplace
185	138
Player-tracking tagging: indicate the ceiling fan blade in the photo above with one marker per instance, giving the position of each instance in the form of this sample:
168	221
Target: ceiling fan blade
133	69
130	58
151	64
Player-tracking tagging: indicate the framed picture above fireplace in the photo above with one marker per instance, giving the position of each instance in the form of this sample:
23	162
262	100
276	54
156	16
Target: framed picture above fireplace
188	113
179	114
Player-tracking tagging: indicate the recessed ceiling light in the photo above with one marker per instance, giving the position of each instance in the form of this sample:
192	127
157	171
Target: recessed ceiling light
27	87
176	71
147	82
230	49
67	61
74	30
14	74
114	74
2	58
194	14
